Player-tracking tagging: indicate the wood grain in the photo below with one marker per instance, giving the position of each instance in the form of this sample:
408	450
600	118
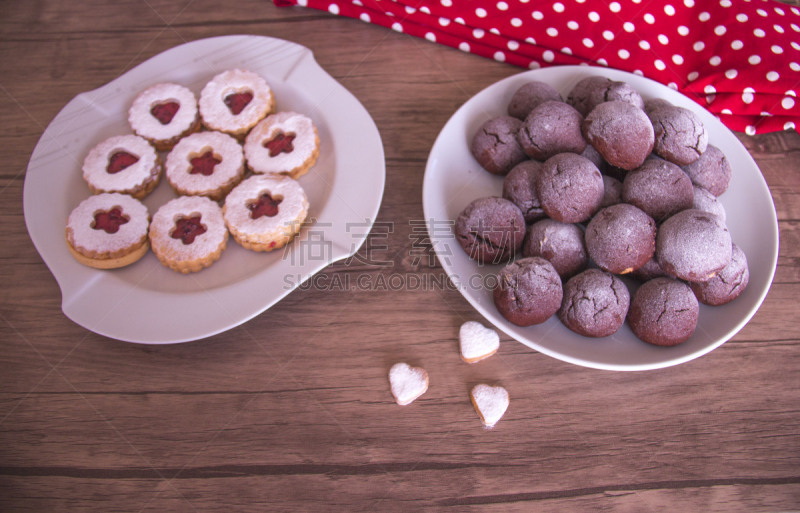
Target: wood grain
291	411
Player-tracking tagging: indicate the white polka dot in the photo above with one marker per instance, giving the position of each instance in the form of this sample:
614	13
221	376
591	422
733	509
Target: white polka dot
530	40
447	3
688	3
614	7
588	43
548	55
664	40
425	9
715	60
494	31
677	59
795	27
731	73
720	30
516	22
789	125
709	89
444	22
727	111
410	10
704	16
787	103
573	25
780	11
750	130
659	64
513	46
778	29
741	17
333	9
551	31
772	76
480	12
464	46
558	7
430	36
499	56
502	6
478	33
777	50
628	26
649	18
673	85
644	45
537	15
364	17
795	45
699	46
638	72
357	2
593	16
683	30
762	13
754	59
669	10
759	32
460	20
397	27
566	50
725	3
790	92
736	44
748	98
623	53
534	65
691	77
608	35
601	61
794	66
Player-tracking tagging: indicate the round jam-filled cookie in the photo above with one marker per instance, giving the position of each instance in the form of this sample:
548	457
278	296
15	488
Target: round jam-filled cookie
163	113
592	91
727	284
712	171
284	143
495	145
620	132
693	245
519	187
680	136
663	312
127	164
234	101
707	202
108	230
621	238
528	291
595	303
552	127
490	230
265	212
530	95
205	164
188	234
570	188
658	187
560	243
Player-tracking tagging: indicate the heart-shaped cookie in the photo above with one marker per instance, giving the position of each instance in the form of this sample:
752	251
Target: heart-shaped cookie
477	341
407	382
491	403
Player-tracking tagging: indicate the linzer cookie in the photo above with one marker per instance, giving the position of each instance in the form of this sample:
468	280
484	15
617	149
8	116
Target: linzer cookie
163	114
205	164
126	164
108	231
283	143
264	212
234	101
188	234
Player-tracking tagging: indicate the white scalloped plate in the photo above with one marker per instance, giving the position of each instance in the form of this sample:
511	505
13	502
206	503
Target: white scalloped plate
148	303
453	178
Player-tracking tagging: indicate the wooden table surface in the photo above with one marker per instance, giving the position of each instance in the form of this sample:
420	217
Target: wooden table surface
292	411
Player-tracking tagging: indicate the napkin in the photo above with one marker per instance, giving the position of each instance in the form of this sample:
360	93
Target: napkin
740	59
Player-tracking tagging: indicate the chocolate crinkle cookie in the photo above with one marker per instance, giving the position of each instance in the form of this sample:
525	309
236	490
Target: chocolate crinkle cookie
693	245
658	187
495	145
530	95
680	136
552	127
589	92
612	191
595	303
712	171
663	312
490	230
622	133
621	238
651	269
519	187
570	188
707	202
727	284
528	291
560	243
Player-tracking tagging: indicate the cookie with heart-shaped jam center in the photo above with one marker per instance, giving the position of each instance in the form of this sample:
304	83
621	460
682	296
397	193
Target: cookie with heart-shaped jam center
127	164
407	382
163	114
491	403
477	342
233	101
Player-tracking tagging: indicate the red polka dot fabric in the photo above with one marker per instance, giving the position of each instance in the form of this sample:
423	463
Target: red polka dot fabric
740	59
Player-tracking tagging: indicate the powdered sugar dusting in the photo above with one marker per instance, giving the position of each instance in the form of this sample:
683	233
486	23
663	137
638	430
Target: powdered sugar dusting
305	142
178	165
477	341
145	124
81	221
163	225
407	383
135	175
491	403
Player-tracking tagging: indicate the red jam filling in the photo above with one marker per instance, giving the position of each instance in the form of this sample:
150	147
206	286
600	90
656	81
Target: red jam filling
204	164
109	220
120	160
187	228
164	112
281	143
265	205
236	102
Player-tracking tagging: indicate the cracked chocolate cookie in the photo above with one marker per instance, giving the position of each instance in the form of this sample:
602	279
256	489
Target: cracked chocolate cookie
530	95
622	133
570	188
560	243
707	202
693	245
658	187
621	238
495	145
595	303
552	127
712	171
680	136
727	284
519	187
663	312
528	291
490	230
589	92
